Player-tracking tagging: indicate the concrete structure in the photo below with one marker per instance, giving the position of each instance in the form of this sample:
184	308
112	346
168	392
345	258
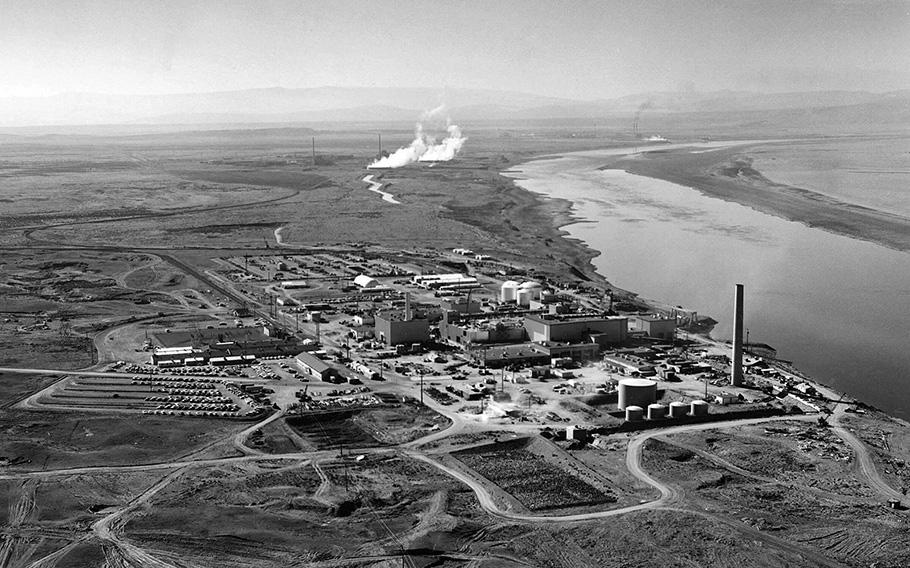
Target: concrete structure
316	367
461	305
736	373
577	433
576	351
634	413
636	392
364	319
504	355
290	284
465	333
396	328
586	329
698	408
445	281
654	326
508	292
678	409
203	344
657	411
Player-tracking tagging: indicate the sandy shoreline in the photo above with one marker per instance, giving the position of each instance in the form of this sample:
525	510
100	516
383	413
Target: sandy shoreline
728	174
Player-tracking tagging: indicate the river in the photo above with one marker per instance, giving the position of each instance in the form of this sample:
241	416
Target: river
838	308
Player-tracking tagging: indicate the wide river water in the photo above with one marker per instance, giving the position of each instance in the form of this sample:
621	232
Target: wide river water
838	308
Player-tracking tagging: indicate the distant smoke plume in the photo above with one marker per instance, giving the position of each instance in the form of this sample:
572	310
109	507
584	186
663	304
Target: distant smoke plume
424	147
641	108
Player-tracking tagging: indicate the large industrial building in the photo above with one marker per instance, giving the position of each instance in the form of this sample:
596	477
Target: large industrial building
451	281
611	330
655	326
401	327
468	332
219	346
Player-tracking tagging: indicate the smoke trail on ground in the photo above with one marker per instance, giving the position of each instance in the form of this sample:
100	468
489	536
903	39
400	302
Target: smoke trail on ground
425	148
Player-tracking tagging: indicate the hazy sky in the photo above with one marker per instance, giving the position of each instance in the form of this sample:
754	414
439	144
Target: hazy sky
575	49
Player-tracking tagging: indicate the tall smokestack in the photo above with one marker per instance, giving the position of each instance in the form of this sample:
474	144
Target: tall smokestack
736	376
379	156
407	306
314	150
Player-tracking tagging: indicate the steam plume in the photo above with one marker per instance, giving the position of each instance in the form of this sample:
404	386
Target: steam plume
424	147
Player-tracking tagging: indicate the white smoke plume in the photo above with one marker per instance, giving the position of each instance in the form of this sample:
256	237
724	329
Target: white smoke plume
447	149
424	147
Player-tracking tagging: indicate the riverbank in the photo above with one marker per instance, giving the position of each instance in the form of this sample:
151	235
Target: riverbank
670	242
728	174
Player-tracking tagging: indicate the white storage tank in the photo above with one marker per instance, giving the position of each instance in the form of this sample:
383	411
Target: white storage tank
508	291
524	297
678	409
638	392
657	411
534	288
698	408
634	413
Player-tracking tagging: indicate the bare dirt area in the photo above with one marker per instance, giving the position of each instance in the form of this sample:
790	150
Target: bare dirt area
14	386
32	441
889	441
534	473
769	488
360	509
371	427
653	538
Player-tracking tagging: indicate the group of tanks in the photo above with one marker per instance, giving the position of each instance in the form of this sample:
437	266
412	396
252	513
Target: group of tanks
638	398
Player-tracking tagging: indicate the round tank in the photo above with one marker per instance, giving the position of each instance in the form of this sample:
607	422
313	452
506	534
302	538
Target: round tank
534	288
698	408
508	291
524	297
678	409
657	412
638	392
634	413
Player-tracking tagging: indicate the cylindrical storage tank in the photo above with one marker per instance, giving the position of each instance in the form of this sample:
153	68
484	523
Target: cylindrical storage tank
698	408
638	392
634	413
678	409
524	297
657	412
533	287
508	291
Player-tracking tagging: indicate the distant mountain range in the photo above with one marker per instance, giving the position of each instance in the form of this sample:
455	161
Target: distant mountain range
369	104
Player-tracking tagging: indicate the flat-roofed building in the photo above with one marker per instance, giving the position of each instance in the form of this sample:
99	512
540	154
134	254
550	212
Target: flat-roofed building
653	325
447	281
395	328
609	330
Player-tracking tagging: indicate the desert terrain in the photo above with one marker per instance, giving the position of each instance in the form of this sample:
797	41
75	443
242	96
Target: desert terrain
109	243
